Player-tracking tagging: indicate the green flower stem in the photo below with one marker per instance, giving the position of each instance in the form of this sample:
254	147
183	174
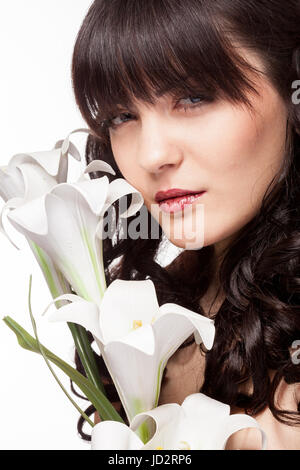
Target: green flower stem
96	397
47	362
79	333
86	355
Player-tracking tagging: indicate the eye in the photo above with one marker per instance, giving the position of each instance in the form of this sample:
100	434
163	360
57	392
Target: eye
118	120
195	101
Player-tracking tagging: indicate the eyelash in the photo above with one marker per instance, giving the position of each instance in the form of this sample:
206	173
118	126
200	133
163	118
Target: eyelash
109	124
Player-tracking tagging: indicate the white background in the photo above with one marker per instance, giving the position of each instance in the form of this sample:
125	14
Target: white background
37	109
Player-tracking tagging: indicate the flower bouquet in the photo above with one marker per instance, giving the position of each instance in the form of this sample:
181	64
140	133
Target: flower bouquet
63	223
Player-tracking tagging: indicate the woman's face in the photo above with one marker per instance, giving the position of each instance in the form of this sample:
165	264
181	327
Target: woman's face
216	147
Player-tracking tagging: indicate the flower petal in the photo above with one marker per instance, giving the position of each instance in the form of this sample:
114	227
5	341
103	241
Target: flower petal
92	192
56	282
72	150
235	423
202	419
66	143
63	223
111	435
24	218
134	370
48	160
81	312
170	332
99	165
199	423
36	181
63	297
205	329
166	419
10	204
11	183
205	407
141	339
126	302
66	147
161	415
119	188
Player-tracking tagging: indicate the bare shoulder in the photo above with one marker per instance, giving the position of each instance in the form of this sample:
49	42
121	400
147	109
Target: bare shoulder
279	436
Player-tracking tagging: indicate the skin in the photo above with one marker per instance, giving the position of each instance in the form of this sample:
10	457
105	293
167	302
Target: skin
231	153
219	147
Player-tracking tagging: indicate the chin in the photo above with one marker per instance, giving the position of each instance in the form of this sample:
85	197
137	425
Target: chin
187	243
184	231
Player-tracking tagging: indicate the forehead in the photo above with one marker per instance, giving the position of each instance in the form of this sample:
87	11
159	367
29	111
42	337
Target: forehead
256	74
250	65
265	89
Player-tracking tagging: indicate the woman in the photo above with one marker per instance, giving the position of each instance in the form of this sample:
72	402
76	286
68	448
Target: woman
202	95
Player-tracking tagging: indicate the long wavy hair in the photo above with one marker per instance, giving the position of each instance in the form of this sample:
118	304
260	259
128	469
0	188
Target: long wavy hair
143	49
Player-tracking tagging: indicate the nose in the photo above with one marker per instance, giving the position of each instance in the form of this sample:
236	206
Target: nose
158	146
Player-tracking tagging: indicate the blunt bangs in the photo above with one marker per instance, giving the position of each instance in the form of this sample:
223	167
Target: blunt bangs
150	49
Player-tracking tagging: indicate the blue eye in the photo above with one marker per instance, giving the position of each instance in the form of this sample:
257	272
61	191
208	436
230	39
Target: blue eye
195	102
193	98
113	124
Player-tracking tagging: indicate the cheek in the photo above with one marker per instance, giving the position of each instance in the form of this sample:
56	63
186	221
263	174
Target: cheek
239	160
125	159
122	152
228	142
240	151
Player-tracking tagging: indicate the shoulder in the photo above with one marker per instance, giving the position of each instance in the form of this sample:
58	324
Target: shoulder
279	436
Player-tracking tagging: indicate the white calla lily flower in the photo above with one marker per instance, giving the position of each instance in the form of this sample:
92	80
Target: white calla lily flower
28	176
65	222
136	337
112	435
200	423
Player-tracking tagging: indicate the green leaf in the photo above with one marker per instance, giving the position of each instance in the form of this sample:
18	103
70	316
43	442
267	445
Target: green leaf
95	396
86	354
83	414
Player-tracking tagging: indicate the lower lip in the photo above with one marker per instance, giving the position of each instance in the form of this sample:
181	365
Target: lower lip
177	203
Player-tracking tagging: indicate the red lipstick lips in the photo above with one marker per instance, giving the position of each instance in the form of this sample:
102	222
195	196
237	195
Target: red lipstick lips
172	193
174	200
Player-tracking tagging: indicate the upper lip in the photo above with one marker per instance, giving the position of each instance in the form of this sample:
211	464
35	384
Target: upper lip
171	193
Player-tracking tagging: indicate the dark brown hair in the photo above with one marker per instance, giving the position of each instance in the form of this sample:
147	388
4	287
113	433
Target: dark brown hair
142	49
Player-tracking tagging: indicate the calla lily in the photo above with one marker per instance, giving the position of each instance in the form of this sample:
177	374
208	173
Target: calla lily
65	224
28	176
41	200
23	184
200	423
136	337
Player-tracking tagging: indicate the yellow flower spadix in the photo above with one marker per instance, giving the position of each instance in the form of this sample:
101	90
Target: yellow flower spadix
137	324
183	445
